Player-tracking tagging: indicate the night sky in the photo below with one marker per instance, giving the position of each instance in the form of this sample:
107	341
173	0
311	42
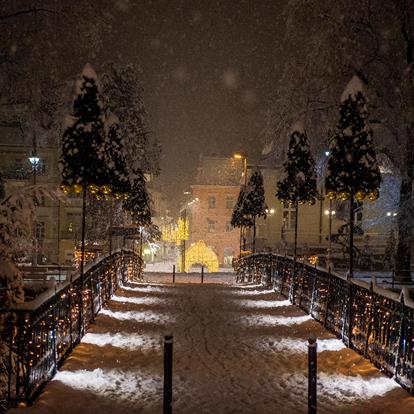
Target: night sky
208	71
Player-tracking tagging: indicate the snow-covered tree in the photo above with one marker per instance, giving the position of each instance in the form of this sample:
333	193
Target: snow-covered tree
240	217
116	155
17	216
352	171
121	84
254	201
323	46
83	158
299	184
138	203
352	166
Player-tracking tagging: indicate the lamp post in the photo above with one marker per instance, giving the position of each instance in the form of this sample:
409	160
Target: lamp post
329	213
34	161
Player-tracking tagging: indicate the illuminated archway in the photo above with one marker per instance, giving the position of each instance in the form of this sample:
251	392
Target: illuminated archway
199	253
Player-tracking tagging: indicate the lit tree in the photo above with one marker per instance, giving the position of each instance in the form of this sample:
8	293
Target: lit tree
254	201
239	217
352	171
83	160
299	184
370	38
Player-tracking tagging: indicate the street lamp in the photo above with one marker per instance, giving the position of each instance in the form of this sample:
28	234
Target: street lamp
329	213
240	156
34	161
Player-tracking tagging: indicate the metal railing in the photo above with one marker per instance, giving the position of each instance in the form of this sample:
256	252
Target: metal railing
40	334
376	322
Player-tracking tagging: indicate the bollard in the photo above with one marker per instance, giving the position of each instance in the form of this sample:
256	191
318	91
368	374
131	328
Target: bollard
173	273
168	360
312	369
202	274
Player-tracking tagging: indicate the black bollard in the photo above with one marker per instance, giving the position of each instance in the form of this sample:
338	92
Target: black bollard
168	360
202	274
173	273
312	369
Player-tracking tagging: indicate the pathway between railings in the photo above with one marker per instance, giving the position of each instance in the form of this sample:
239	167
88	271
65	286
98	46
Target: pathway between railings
237	349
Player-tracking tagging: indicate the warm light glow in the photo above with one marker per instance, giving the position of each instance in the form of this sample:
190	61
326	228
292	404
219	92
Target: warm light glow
238	156
199	253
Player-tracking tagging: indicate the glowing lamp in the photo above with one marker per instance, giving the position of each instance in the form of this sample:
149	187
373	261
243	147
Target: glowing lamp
106	189
360	195
343	195
373	195
93	188
331	195
76	188
65	188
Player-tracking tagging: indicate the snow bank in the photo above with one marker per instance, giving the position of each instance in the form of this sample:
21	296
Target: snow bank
343	388
138	300
264	304
270	320
130	342
124	385
147	316
301	346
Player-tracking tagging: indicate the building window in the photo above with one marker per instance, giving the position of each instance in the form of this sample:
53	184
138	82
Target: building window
212	202
289	216
211	226
228	256
40	230
229	227
229	202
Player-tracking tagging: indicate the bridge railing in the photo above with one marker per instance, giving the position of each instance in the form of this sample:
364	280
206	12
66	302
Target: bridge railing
41	333
378	323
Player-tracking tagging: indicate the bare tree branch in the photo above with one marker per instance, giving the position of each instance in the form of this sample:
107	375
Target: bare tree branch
27	11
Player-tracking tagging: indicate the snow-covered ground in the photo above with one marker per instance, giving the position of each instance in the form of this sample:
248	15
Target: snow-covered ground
237	349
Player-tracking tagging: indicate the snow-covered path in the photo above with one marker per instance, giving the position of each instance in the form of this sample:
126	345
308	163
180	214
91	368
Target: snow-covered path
236	350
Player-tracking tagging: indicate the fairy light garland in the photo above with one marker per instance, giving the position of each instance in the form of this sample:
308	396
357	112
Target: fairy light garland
382	327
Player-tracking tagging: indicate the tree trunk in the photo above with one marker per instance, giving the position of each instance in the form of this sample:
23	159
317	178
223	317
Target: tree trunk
254	235
296	233
405	232
351	236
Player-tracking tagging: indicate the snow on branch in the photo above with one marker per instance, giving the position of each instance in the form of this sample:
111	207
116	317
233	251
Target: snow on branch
354	86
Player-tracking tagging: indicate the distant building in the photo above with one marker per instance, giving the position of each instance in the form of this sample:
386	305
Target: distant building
215	192
53	246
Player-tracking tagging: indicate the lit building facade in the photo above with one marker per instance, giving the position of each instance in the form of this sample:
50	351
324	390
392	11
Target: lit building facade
215	193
